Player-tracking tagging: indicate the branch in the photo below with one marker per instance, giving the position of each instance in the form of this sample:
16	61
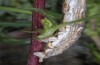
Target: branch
36	46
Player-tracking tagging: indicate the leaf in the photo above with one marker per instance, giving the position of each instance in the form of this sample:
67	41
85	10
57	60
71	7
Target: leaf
39	30
5	39
46	23
54	15
47	32
13	41
25	11
10	9
15	24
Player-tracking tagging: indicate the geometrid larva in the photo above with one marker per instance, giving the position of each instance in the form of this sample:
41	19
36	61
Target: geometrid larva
73	10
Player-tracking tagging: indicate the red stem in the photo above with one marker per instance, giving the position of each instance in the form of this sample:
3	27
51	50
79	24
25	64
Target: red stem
36	24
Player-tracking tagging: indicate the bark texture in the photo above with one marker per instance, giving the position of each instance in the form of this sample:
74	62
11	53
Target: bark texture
73	10
36	46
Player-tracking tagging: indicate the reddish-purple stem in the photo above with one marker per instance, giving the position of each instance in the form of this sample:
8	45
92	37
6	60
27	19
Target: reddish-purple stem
36	24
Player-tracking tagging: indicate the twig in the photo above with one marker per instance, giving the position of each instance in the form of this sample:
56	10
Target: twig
36	24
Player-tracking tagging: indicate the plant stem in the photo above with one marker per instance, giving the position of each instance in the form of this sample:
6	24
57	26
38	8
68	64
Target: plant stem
36	46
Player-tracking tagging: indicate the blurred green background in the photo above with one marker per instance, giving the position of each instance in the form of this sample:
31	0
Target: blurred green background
15	15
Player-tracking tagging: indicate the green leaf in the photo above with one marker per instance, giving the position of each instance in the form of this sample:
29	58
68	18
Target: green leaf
15	24
25	11
5	39
54	15
46	23
10	9
47	32
12	41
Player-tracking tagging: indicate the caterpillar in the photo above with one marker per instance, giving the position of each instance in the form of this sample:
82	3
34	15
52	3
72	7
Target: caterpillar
66	36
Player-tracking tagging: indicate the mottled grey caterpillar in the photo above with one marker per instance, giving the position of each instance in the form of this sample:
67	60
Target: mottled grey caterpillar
73	10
